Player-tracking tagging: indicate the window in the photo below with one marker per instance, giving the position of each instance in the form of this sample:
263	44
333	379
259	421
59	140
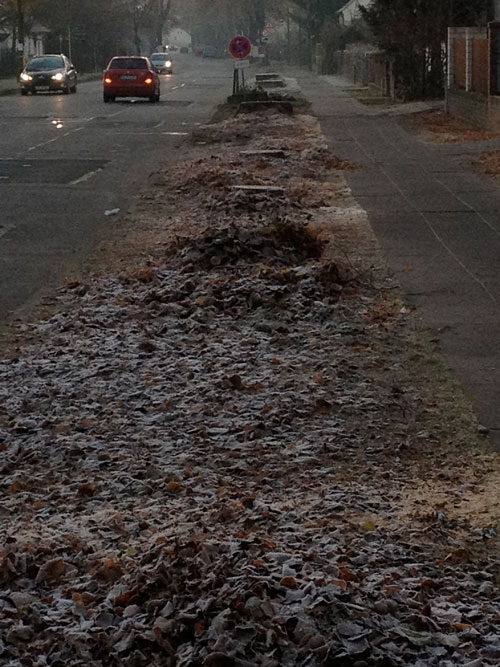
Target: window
128	63
50	62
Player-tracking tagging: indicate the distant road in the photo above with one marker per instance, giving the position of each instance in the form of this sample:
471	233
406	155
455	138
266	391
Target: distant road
66	159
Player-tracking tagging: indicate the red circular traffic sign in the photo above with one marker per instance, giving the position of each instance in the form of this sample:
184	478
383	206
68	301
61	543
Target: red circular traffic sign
240	47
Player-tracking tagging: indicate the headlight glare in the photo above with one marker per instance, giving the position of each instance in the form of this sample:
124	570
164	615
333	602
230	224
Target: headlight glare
26	77
58	76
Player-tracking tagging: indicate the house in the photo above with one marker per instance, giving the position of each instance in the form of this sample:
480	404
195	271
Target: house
350	11
11	51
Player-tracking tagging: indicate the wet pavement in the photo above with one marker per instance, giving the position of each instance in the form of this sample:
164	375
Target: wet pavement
67	159
439	227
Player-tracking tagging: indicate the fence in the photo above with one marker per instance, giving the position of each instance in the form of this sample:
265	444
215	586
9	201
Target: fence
473	81
369	69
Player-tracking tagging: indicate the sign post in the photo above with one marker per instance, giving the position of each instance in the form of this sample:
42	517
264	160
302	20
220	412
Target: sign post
240	48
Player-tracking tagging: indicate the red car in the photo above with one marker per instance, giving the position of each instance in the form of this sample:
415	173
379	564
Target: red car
131	76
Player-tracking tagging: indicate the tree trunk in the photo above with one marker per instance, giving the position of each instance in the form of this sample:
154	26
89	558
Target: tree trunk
162	14
137	40
20	21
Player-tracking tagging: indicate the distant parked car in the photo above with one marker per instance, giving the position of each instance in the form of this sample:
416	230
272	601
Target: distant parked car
131	76
209	52
51	72
162	62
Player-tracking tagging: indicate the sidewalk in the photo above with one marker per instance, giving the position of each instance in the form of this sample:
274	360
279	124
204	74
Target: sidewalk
9	86
439	228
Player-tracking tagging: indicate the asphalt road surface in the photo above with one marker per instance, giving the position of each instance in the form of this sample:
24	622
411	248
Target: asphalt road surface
66	159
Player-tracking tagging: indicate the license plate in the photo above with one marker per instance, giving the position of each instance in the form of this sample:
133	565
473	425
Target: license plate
128	77
42	87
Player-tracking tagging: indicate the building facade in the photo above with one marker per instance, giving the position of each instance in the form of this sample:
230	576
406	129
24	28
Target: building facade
350	11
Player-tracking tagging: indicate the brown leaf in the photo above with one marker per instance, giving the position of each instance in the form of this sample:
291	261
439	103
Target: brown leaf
88	489
340	583
174	487
127	598
110	570
147	346
51	570
199	628
347	574
289	582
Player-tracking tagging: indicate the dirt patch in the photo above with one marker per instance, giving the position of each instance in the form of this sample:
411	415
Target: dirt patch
487	164
440	127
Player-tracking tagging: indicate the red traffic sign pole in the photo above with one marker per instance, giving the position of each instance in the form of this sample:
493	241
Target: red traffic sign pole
240	47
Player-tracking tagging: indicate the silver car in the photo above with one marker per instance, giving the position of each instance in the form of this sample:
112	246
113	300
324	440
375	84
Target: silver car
162	62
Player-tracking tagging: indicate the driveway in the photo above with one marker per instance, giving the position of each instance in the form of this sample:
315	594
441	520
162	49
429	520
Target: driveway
439	227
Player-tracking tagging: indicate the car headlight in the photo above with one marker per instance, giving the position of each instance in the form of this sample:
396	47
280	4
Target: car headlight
168	63
58	77
26	77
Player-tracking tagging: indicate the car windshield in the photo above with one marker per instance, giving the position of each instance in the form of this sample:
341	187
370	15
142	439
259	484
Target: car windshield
52	62
162	57
128	63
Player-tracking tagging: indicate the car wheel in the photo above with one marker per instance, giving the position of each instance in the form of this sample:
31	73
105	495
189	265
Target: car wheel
24	91
153	98
106	98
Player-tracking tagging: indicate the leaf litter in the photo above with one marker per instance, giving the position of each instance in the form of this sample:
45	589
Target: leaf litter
220	455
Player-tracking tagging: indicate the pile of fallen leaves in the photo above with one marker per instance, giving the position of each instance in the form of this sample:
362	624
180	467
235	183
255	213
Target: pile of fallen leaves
207	457
488	164
441	127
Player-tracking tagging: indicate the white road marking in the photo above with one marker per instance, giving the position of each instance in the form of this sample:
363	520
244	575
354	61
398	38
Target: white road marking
85	177
51	141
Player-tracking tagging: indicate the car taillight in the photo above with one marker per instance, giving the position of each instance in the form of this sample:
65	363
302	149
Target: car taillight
107	79
149	80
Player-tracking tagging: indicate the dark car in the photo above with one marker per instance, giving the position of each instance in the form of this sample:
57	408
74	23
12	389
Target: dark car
131	76
162	62
209	51
50	72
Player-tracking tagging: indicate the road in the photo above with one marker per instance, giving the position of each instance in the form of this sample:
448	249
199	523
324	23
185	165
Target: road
66	159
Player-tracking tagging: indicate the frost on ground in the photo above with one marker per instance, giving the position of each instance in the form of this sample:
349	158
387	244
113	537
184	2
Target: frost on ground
225	455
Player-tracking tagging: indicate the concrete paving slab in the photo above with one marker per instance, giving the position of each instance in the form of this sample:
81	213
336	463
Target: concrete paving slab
440	236
459	183
483	201
437	165
434	200
382	202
